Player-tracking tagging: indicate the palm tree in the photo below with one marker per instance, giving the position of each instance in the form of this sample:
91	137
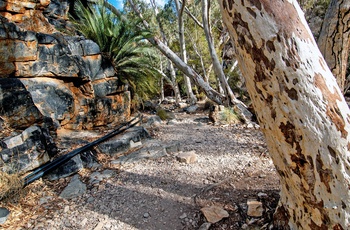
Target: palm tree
123	43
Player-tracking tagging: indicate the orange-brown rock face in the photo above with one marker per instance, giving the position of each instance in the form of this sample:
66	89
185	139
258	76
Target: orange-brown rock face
49	80
66	75
27	14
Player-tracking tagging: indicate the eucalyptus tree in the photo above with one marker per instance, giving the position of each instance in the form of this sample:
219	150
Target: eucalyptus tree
329	22
180	10
219	72
334	39
170	67
301	111
119	42
178	62
187	70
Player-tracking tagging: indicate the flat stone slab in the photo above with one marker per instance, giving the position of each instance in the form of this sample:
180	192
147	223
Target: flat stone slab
151	149
75	188
123	142
255	208
97	177
214	213
67	169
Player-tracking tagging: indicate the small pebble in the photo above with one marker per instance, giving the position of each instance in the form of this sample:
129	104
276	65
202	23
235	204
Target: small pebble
90	199
262	195
205	226
146	215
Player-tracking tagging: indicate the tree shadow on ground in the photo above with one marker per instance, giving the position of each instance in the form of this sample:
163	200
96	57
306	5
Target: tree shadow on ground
153	202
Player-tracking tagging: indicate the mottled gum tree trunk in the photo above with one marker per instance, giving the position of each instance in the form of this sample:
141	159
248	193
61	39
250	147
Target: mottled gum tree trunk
334	40
301	110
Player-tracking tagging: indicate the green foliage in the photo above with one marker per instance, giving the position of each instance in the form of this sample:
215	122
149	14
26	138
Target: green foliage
309	4
234	80
201	96
229	116
162	114
123	43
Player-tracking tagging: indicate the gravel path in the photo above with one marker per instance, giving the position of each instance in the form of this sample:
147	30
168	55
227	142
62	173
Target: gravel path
232	166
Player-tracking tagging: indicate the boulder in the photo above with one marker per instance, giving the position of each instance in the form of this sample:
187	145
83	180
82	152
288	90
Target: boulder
17	106
150	106
26	151
97	177
191	109
4	214
50	80
214	113
153	121
106	87
52	97
73	165
187	157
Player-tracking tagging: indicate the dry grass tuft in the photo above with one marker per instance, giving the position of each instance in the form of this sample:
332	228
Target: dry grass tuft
10	184
24	206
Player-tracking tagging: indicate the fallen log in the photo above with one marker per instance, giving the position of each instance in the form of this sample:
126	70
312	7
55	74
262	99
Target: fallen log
42	170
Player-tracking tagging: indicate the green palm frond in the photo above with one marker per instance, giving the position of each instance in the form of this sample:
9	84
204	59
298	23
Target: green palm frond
124	43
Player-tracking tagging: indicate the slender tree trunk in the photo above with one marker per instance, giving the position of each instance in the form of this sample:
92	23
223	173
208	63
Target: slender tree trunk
200	56
180	10
334	40
172	81
161	82
210	68
213	95
219	86
183	67
301	110
162	89
222	81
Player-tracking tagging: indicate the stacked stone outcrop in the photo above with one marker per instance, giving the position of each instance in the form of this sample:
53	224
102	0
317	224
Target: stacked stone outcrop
49	80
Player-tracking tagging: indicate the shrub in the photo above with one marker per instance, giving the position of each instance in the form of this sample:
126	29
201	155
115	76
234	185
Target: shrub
229	116
162	114
208	104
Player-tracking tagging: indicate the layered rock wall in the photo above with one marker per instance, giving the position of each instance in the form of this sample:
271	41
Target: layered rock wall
50	80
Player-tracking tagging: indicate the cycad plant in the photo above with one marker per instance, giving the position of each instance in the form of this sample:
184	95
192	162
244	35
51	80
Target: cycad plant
123	43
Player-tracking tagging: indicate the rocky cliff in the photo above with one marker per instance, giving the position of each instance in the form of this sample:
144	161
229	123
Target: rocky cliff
50	80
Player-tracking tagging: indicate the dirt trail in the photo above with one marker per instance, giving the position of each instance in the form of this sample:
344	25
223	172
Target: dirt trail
232	166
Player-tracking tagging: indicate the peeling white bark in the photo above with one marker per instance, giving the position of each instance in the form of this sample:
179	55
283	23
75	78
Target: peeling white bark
300	108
